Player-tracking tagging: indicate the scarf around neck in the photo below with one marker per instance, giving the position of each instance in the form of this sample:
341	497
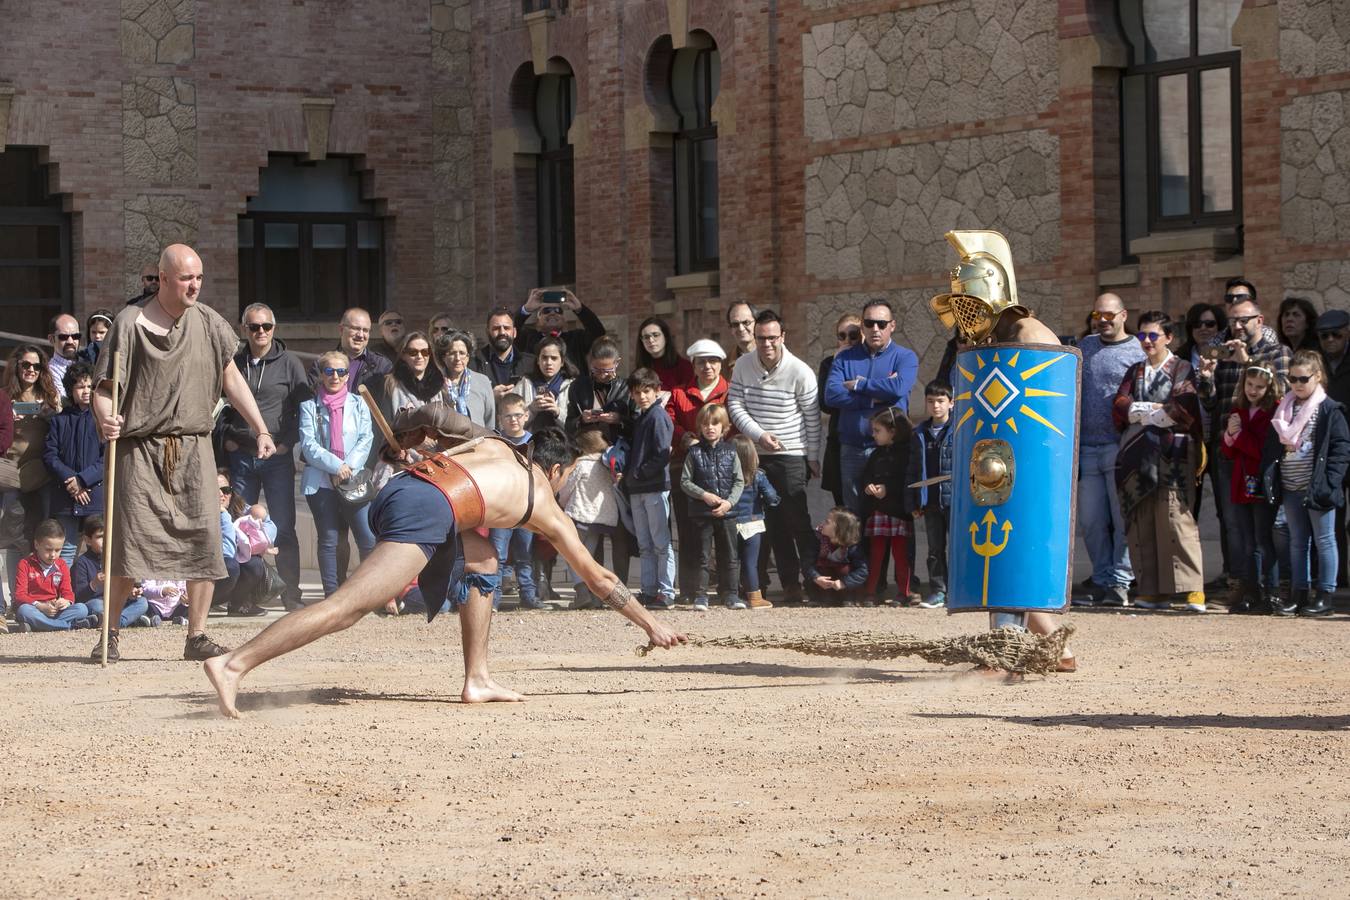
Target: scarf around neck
553	385
335	402
1289	426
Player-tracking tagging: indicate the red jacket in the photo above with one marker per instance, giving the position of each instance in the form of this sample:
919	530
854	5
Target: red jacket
685	402
31	586
1245	451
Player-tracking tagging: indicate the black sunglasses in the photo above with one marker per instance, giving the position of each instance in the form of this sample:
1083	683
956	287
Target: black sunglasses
227	490
330	372
876	323
29	366
1207	323
1233	298
74	336
1300	379
851	335
261	326
550	310
1243	320
1336	334
150	278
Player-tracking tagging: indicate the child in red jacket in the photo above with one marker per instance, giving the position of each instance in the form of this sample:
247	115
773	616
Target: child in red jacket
1244	434
43	594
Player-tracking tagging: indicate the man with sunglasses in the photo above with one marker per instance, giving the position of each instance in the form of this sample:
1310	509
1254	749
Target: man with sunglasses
741	324
64	333
1107	354
1247	341
551	320
278	383
149	284
872	375
391	327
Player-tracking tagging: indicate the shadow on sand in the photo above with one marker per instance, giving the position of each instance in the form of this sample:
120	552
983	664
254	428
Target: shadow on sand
1117	721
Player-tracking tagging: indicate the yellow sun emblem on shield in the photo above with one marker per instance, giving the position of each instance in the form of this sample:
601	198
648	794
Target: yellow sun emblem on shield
996	392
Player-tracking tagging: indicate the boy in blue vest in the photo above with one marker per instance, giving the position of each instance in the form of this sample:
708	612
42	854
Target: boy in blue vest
712	479
931	456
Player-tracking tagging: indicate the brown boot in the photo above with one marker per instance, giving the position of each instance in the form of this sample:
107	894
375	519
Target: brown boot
757	601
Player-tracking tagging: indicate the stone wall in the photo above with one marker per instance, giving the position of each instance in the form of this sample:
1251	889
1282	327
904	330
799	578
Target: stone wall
452	150
152	222
1315	168
884	212
157	31
1314	36
964	61
1325	282
159	130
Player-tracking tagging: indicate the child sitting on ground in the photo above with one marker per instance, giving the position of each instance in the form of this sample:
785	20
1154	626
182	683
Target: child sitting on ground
44	599
588	497
88	578
885	502
839	570
167	599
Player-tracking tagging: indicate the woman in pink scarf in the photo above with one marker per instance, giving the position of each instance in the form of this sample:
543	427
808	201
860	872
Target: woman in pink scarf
335	441
1306	456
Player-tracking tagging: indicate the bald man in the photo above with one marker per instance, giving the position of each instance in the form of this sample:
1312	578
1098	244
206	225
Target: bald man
175	362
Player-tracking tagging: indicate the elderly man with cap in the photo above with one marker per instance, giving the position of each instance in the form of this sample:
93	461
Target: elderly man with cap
709	386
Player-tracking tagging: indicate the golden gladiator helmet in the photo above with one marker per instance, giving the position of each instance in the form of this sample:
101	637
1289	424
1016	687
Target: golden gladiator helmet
983	286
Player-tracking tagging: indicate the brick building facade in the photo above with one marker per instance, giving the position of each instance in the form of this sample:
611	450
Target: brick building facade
849	135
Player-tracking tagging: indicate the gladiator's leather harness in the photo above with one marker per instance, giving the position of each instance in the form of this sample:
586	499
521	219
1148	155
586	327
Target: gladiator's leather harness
459	487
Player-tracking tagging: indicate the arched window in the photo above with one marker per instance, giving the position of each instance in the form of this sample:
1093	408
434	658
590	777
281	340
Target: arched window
1180	115
310	244
695	76
35	279
555	99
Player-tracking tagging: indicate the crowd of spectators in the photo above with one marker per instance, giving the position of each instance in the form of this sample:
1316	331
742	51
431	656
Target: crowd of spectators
697	463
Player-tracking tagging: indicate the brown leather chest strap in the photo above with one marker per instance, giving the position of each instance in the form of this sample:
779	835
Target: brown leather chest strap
458	486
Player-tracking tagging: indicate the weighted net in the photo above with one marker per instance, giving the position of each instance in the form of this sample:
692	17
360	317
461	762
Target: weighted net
1009	649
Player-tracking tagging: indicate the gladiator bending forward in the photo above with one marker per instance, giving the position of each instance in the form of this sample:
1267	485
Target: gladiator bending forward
467	480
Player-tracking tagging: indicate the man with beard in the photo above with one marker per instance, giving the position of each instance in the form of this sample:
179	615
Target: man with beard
64	333
550	317
498	359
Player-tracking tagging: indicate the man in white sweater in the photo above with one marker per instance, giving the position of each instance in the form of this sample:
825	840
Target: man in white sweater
772	401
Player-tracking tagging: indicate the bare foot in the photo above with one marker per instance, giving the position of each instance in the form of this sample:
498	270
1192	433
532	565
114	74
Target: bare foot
225	683
488	691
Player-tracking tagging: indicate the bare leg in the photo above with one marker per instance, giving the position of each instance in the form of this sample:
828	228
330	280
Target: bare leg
475	624
199	594
1044	623
119	589
384	573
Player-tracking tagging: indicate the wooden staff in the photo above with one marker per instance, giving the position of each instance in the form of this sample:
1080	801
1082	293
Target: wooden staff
109	483
378	416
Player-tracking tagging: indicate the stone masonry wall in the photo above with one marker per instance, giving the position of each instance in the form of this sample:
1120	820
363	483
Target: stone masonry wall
964	61
1314	36
884	212
1315	168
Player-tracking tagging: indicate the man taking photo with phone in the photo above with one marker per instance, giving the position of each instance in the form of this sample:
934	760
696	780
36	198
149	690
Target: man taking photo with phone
550	308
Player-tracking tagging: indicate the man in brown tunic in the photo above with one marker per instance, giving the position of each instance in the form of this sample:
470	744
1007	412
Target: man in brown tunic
175	362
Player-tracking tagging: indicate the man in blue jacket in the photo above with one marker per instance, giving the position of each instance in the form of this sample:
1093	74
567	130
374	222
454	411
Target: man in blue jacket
874	374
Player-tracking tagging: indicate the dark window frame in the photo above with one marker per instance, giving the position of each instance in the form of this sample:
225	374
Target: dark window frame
689	186
1192	66
309	308
50	213
555	185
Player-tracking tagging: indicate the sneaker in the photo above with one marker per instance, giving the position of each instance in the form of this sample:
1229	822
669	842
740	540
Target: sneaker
665	601
1117	597
532	603
700	604
1195	602
1151	601
199	647
179	620
20	628
736	603
935	600
249	611
155	620
96	655
144	621
583	599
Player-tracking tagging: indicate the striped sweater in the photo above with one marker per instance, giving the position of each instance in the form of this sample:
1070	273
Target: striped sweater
781	402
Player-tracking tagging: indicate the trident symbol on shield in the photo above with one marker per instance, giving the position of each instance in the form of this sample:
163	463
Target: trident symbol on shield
987	548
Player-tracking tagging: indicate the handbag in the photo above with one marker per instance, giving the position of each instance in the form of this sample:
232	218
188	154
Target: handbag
355	491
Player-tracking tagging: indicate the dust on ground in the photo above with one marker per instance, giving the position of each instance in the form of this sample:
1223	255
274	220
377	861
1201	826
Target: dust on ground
1189	756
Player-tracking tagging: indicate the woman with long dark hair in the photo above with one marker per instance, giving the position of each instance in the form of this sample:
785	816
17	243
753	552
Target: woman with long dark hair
546	390
30	387
656	351
1296	324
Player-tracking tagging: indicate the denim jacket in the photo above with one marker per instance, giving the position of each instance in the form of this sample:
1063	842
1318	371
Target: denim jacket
357	438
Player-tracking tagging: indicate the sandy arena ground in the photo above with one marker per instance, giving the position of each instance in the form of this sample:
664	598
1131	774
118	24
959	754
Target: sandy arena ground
1199	756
